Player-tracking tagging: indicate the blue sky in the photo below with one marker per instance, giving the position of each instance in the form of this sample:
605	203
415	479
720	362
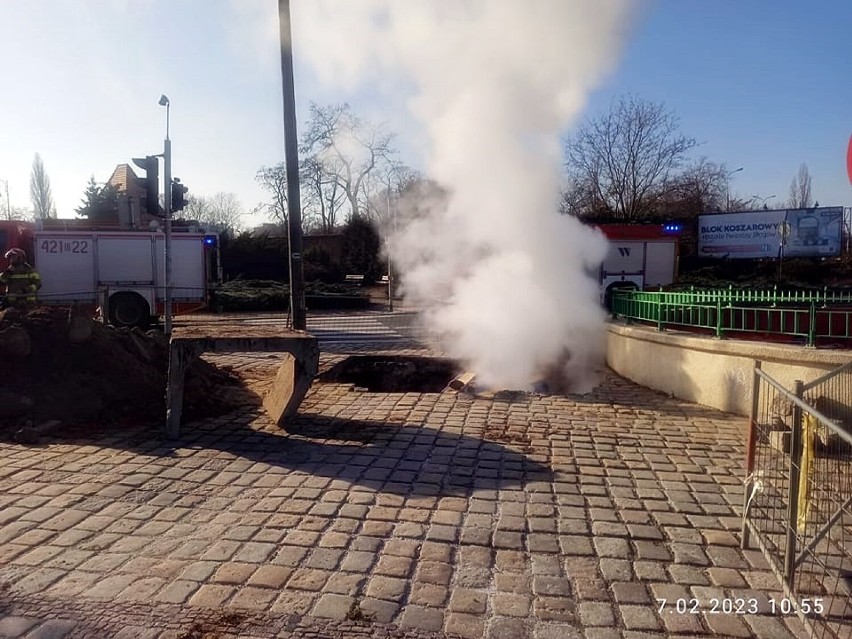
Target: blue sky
763	85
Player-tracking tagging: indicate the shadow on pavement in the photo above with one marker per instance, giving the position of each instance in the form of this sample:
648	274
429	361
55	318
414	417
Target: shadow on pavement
384	456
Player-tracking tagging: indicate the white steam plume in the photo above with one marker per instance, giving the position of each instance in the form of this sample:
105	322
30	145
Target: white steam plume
493	84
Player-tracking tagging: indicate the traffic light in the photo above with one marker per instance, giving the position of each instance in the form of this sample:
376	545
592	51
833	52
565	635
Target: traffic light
179	192
151	166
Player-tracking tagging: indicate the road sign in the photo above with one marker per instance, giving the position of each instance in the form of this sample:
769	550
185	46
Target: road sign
849	160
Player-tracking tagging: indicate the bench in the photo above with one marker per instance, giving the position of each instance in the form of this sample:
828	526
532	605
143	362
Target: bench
354	279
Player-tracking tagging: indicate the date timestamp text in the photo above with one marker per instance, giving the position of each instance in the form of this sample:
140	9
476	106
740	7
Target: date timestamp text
739	606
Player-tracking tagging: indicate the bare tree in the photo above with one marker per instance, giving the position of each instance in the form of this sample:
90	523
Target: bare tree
341	155
580	198
21	213
700	188
197	208
418	199
226	212
382	191
274	180
40	195
349	148
800	189
624	161
322	196
221	212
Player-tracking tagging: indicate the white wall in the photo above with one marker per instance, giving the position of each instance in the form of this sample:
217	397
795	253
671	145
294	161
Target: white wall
708	371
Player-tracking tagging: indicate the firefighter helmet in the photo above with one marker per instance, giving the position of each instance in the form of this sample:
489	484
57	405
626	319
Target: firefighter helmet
15	254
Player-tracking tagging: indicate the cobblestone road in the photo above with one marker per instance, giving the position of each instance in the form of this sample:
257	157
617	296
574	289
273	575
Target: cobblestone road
388	515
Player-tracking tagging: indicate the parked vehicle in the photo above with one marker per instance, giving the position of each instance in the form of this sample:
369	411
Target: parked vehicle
640	256
121	272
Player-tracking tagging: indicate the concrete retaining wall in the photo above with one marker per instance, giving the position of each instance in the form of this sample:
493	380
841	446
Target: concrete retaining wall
709	371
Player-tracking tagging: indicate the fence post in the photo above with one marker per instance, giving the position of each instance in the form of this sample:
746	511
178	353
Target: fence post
812	324
793	488
719	317
660	308
751	446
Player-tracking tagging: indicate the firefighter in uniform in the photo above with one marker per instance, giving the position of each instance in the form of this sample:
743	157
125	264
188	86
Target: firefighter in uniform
20	280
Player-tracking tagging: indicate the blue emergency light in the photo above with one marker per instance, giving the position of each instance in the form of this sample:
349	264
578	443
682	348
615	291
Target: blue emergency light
209	240
672	228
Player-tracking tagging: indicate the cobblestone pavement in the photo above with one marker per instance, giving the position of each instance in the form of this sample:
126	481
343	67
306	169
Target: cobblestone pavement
388	515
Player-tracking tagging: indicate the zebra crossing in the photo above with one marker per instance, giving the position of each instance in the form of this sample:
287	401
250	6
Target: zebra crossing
360	328
365	328
369	327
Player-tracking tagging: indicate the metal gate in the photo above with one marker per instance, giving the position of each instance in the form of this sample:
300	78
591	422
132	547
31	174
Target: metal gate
798	494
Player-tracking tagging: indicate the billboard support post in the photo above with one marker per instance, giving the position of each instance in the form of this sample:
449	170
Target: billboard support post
784	233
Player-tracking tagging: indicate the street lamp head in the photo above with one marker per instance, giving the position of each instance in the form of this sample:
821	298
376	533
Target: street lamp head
164	101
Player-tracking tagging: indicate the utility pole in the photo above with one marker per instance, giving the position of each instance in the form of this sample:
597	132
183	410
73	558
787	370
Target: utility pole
291	158
167	210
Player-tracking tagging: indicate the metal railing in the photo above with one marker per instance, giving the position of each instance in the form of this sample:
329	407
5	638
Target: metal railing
731	295
798	494
808	316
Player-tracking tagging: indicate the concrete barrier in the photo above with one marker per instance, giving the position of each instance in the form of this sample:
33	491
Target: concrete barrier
298	368
709	371
292	382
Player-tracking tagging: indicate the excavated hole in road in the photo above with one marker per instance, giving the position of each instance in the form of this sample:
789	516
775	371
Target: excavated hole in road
393	374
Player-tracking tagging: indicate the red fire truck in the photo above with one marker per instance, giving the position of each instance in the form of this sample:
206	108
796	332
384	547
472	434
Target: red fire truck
119	271
640	256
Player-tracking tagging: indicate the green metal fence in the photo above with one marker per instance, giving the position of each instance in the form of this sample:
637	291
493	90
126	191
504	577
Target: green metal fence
805	315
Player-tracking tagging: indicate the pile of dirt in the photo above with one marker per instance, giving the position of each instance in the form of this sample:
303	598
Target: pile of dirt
56	364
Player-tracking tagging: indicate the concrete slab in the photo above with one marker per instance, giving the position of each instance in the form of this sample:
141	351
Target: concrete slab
189	342
292	382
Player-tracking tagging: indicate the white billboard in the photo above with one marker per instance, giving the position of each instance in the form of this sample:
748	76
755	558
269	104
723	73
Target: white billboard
759	234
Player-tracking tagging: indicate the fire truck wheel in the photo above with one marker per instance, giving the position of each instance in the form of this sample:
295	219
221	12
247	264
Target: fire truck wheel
129	309
617	286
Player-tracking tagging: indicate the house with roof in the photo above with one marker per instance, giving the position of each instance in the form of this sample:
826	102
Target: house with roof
132	199
128	211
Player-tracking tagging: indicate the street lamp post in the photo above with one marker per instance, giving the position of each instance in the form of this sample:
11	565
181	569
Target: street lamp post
390	260
167	209
763	200
728	188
